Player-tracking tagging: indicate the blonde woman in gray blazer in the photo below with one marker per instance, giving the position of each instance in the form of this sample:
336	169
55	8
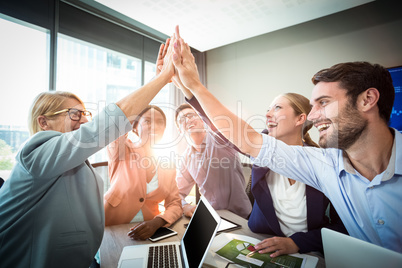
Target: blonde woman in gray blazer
51	207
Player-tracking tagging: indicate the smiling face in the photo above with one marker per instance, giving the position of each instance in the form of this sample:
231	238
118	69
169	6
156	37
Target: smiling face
282	121
62	122
190	122
191	125
338	121
151	126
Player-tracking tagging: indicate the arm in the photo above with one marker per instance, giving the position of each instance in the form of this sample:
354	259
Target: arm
233	128
68	150
185	183
216	134
116	152
173	209
135	102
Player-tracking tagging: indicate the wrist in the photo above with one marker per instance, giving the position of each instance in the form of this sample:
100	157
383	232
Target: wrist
158	221
164	76
197	88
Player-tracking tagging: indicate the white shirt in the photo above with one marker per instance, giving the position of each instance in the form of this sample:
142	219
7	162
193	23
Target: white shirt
289	202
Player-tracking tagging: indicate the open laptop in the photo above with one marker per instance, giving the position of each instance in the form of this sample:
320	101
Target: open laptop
344	251
188	253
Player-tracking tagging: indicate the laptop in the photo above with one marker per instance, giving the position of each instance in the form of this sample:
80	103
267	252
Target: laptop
188	253
344	251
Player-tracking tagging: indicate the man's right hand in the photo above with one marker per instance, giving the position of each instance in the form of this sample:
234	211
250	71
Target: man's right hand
184	61
188	210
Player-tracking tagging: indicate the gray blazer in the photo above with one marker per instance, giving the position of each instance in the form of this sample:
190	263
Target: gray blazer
51	207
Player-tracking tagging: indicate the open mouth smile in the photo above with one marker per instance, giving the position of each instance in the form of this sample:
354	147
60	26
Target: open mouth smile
272	124
322	127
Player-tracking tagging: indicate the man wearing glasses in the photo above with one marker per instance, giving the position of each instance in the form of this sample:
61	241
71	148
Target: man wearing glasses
211	162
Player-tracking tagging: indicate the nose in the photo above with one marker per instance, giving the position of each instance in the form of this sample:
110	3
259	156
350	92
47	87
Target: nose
84	120
269	114
314	114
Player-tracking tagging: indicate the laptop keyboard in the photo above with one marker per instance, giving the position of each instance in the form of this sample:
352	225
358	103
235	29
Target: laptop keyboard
162	256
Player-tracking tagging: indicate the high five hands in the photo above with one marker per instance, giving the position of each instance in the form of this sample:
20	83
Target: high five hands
186	73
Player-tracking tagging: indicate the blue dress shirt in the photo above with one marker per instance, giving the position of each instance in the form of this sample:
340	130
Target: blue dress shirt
370	210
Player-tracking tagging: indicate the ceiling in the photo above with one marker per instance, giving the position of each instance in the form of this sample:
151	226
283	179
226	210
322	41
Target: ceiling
208	24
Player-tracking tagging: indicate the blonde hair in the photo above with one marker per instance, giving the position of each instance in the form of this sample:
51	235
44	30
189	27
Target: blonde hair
47	103
301	105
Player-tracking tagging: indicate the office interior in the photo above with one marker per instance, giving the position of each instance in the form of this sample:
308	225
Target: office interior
246	75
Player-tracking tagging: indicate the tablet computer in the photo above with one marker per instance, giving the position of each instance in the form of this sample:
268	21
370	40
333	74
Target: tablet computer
227	225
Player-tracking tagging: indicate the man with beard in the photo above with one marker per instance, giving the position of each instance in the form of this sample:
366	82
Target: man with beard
359	171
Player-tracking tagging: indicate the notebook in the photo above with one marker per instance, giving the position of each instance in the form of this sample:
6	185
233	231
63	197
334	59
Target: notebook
344	251
189	252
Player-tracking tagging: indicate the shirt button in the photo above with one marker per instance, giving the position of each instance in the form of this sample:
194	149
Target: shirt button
381	222
141	199
371	187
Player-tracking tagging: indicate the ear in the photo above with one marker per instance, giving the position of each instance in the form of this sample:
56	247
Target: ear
43	123
368	99
302	118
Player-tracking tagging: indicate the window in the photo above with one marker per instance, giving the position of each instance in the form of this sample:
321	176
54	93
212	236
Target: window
101	76
98	56
24	73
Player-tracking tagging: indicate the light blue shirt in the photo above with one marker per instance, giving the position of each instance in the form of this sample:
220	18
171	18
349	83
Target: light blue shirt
370	210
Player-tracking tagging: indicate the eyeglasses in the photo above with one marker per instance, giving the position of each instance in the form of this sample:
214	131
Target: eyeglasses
187	117
75	114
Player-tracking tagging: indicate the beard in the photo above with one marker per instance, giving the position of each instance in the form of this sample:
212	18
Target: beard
348	128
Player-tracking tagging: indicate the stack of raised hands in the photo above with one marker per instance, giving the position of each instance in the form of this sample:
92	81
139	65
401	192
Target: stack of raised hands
186	73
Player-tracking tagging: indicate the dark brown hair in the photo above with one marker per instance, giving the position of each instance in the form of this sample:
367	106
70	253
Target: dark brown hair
179	109
357	77
149	107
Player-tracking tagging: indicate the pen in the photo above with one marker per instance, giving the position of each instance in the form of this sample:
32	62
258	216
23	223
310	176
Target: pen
251	253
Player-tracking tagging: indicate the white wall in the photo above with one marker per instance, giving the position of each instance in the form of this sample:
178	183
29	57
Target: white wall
250	73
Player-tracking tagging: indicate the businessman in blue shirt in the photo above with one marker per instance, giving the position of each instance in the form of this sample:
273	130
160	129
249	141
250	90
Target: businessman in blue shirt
359	169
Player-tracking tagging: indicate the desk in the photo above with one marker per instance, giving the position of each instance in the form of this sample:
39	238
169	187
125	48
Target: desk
115	239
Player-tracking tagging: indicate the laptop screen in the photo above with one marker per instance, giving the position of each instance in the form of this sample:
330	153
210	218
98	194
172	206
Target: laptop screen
198	235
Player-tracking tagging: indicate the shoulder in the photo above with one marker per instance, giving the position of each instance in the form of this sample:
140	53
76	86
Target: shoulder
398	139
37	140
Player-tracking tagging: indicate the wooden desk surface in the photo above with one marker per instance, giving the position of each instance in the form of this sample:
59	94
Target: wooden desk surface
115	239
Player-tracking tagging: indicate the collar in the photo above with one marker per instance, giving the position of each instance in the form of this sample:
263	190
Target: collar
398	151
203	146
392	168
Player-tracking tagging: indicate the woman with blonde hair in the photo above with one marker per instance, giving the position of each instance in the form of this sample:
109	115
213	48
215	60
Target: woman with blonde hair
140	180
52	204
288	209
291	211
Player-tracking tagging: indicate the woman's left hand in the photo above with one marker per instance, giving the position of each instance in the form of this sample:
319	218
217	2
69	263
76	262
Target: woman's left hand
277	245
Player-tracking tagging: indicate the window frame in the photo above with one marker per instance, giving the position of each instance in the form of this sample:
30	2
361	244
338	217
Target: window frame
88	21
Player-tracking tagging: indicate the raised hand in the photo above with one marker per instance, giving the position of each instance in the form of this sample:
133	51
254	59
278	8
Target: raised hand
277	245
183	60
164	62
161	55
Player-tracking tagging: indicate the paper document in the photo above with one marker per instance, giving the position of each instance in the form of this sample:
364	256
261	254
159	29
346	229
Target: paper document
234	247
